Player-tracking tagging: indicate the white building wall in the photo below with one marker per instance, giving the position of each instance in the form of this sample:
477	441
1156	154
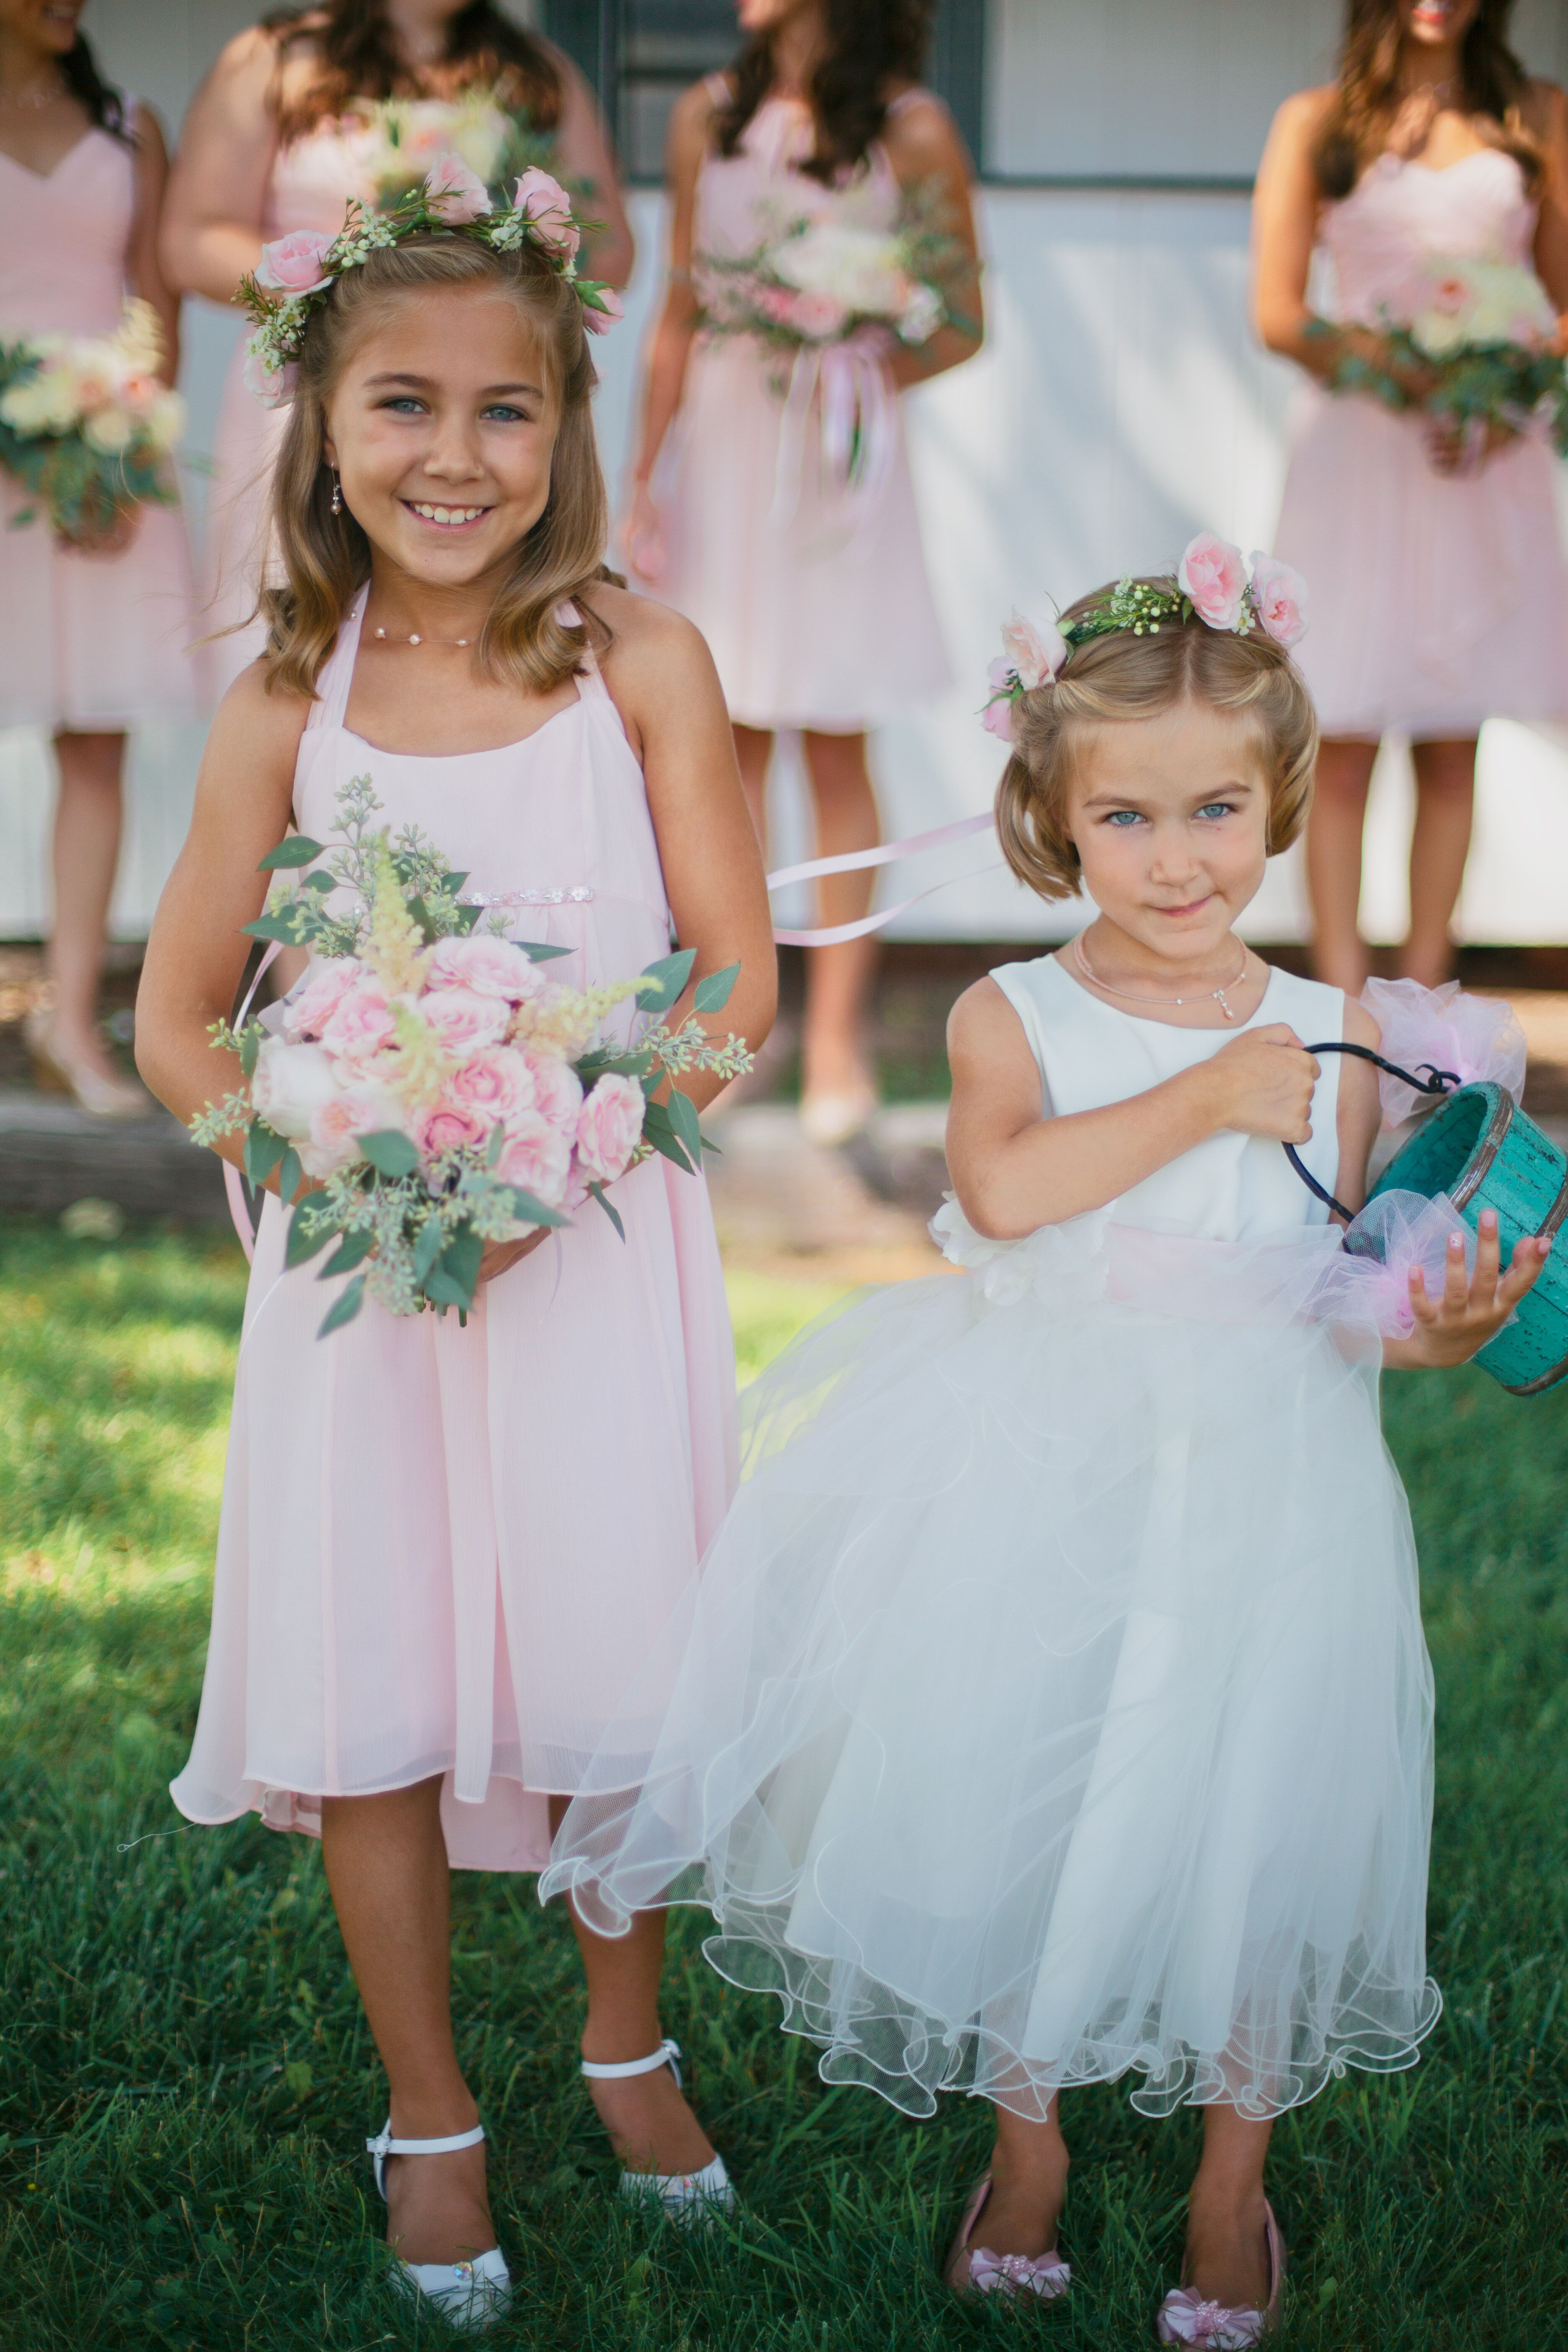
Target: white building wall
1120	404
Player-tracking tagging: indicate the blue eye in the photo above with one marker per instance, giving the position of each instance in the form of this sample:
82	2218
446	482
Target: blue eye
504	413
1217	808
404	403
1123	819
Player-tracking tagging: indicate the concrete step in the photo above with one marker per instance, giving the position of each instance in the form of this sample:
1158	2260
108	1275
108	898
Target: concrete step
52	1154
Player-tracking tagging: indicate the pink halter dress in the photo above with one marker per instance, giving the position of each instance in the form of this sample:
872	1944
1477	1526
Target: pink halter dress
313	181
1437	601
91	641
816	618
446	1551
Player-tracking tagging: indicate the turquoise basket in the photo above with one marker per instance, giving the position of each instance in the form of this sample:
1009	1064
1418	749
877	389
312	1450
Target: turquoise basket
1485	1153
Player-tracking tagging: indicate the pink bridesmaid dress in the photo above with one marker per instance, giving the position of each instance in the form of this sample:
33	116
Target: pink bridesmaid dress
446	1550
1437	601
91	642
313	180
816	616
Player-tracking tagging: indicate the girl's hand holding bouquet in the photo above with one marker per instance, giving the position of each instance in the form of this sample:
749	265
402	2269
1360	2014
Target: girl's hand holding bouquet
448	1102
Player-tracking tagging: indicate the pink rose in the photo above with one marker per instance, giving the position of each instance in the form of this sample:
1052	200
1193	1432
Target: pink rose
813	316
1034	646
496	1082
488	967
307	1014
1279	597
607	311
455	194
537	1156
290	1085
336	1127
295	264
447	1126
462	1019
609	1126
1214	576
360	1023
272	386
557	1090
544	202
997	719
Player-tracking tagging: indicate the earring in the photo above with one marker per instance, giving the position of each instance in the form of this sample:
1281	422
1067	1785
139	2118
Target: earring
337	493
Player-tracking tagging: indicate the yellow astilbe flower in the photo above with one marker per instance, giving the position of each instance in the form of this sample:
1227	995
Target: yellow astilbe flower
564	1020
424	1064
393	947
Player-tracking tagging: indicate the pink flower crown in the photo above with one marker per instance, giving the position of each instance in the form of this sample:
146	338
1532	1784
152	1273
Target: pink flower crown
298	272
1213	582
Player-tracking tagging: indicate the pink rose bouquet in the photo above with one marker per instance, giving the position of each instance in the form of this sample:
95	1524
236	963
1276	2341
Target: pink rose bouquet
825	280
88	426
432	1081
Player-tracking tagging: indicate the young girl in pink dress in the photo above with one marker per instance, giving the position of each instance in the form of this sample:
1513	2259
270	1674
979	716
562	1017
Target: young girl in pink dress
93	634
443	1550
272	144
1438	572
819	614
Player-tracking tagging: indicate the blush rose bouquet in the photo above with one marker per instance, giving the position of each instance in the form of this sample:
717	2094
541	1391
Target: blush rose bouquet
825	280
87	424
438	1088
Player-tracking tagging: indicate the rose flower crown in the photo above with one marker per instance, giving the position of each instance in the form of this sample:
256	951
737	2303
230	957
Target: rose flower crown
1213	582
298	272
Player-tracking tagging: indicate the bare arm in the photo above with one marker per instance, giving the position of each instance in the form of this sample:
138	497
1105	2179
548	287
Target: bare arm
197	950
1550	112
661	675
583	151
1360	1111
217	189
142	271
1014	1170
931	167
691	124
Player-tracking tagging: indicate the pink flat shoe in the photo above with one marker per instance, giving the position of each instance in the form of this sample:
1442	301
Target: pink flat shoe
1187	2318
975	2270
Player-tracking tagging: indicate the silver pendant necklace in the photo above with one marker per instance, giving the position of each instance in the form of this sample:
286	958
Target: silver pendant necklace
1207	996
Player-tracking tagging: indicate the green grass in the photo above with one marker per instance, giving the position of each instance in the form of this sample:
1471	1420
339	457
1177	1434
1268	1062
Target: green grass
185	2081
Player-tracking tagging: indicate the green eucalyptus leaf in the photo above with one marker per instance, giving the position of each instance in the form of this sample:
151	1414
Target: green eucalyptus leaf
286	928
670	976
597	1191
426	1249
713	994
682	1113
297	850
460	1261
310	1230
350	1251
389	1151
539	951
250	1047
529	1211
660	1132
263	1151
291	1176
345	1308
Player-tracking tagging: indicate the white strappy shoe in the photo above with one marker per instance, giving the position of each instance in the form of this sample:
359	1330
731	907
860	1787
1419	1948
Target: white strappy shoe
471	2296
687	2196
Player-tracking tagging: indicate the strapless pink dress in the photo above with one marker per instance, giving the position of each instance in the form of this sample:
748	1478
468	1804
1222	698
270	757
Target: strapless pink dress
313	180
812	622
446	1551
89	641
1436	602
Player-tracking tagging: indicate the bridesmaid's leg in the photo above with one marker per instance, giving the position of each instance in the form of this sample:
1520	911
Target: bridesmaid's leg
651	2128
1333	862
386	1864
1445	806
1228	2253
838	979
1029	2182
86	854
753	753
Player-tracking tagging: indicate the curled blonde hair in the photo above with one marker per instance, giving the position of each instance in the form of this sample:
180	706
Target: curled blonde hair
1121	676
326	557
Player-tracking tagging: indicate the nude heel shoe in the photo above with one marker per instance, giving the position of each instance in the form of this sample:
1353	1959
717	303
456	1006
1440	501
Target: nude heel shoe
54	1073
471	2296
1186	2318
686	2197
975	2270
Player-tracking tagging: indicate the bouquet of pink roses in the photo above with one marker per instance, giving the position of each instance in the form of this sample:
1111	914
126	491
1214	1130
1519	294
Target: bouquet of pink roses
440	1089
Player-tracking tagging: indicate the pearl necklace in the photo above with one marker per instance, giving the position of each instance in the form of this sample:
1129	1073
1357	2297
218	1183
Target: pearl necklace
417	640
1208	995
34	98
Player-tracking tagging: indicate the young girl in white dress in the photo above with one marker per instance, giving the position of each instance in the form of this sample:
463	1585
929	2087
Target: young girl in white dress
443	1550
1054	1704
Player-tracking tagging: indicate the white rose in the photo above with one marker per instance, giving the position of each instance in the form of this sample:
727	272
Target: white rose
292	1082
110	429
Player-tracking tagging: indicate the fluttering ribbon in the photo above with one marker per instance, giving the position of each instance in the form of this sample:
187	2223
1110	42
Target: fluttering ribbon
857	422
232	1183
886	853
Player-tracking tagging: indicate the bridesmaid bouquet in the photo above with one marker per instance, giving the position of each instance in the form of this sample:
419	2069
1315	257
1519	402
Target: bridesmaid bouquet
86	424
397	141
441	1090
823	280
1484	329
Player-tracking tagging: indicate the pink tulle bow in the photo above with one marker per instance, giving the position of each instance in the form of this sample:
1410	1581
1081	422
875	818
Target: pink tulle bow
1475	1038
1045	2276
1187	2319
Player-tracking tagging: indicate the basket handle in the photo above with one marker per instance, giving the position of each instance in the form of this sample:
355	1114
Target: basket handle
1437	1082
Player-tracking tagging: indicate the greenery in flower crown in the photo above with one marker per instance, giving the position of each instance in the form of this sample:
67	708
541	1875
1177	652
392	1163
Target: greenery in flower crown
451	201
1133	604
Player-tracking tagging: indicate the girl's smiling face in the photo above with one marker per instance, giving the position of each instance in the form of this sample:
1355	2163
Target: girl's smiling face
442	427
1170	819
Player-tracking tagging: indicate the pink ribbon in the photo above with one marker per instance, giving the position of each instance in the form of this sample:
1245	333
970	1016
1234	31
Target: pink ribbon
1191	2321
1045	2276
856	861
857	410
232	1183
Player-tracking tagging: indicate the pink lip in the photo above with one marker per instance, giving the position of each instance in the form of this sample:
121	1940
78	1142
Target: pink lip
1194	906
448	529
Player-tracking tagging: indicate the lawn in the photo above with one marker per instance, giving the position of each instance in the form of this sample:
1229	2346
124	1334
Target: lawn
186	2085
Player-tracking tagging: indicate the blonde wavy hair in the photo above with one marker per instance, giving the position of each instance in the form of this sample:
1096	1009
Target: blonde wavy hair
1120	676
326	557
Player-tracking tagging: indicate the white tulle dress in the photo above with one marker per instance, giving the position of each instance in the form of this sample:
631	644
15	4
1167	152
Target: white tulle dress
1052	1702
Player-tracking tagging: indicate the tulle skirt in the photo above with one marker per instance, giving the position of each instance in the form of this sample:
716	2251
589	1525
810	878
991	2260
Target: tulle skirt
1052	1704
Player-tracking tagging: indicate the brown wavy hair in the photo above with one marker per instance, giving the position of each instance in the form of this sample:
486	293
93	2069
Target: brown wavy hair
1495	85
326	557
99	99
359	55
869	44
1120	677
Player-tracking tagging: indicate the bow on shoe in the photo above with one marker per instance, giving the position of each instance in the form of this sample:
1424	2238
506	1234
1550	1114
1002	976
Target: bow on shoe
1185	2318
1045	2276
